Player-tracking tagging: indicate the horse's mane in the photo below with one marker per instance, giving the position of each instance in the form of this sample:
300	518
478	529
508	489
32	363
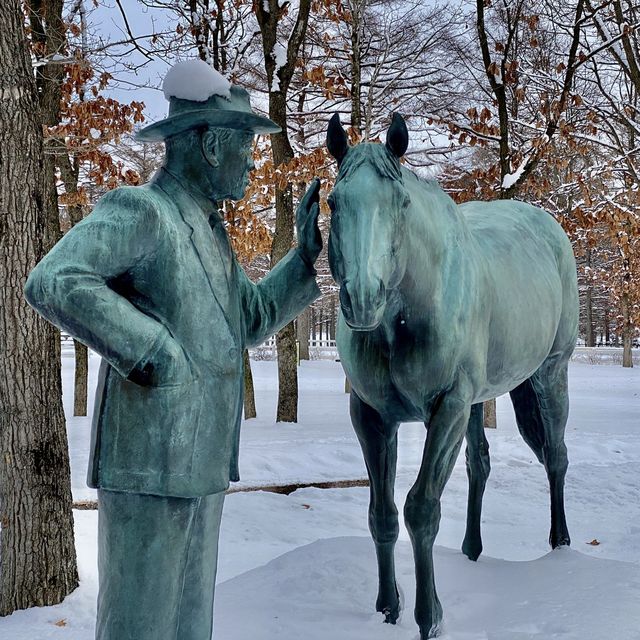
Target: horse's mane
388	166
377	155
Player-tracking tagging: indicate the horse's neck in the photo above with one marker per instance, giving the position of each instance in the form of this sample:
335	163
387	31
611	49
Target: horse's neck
434	237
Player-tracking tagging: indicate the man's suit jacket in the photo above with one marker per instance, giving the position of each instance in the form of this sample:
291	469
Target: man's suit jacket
144	267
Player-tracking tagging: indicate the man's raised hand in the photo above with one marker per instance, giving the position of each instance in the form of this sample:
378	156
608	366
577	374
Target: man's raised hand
309	237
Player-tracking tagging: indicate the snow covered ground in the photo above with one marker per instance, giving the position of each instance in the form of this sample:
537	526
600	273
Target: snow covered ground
302	566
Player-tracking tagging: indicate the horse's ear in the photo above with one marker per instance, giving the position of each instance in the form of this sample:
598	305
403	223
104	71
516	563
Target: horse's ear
397	136
337	141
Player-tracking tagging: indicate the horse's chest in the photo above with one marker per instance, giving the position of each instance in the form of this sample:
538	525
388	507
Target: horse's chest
419	370
391	373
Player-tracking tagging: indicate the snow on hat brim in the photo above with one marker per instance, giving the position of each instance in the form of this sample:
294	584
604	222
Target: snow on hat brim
233	112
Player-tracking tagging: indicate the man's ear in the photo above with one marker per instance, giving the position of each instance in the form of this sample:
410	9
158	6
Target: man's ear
209	143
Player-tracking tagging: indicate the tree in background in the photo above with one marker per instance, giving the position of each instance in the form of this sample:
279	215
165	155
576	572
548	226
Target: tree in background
367	58
36	539
80	124
81	145
613	70
280	53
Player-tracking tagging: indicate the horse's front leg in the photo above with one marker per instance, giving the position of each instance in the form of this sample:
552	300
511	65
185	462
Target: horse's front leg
422	509
379	443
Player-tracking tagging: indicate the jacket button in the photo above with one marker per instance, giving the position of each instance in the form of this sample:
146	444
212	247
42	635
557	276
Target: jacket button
233	353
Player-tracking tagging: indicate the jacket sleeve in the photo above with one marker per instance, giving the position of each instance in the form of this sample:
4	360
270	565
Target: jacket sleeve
278	298
70	287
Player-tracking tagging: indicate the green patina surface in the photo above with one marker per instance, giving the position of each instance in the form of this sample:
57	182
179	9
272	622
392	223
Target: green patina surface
443	307
150	282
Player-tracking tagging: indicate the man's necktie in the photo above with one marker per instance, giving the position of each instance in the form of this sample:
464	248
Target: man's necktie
222	242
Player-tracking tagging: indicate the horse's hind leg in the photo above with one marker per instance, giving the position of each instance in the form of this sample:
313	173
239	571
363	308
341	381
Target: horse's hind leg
478	468
541	405
379	443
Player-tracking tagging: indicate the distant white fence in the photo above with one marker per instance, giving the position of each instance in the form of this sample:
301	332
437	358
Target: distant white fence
325	349
322	349
603	355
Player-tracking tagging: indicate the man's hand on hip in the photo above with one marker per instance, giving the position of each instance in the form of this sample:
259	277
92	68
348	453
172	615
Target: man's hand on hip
167	365
309	237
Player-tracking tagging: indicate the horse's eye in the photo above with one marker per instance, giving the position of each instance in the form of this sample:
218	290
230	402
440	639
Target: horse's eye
406	201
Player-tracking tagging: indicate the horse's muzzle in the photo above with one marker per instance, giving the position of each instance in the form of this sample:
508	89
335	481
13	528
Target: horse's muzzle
362	307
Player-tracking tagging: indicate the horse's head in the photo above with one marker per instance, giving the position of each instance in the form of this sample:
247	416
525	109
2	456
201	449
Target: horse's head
368	205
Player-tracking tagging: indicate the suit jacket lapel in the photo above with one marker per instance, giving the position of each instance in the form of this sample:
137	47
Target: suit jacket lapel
212	257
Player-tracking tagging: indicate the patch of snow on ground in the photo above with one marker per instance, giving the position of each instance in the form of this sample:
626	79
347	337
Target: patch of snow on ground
302	566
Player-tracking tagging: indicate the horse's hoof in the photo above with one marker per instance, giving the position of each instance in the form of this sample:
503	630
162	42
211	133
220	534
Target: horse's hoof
391	611
391	617
561	540
429	620
432	632
472	549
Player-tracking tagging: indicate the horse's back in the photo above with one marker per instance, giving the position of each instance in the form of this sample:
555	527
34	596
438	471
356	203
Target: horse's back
504	225
530	281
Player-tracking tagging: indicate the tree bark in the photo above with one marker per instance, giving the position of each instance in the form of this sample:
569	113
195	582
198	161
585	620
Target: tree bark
356	70
49	39
304	320
627	332
589	329
80	386
36	540
489	420
249	394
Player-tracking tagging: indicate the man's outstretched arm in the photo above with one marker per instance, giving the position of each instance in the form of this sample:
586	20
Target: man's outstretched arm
290	286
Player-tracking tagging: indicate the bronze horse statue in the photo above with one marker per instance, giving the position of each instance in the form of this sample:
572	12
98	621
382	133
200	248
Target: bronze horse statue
441	308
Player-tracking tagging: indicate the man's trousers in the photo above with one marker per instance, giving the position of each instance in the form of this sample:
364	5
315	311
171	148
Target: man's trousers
157	560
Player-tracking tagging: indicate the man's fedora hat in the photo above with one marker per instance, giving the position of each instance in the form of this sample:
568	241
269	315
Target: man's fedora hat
199	96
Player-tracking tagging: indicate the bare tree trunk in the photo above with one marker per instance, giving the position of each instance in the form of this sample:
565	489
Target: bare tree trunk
627	332
48	34
80	387
200	27
287	375
249	394
304	320
489	420
357	9
36	540
590	334
269	14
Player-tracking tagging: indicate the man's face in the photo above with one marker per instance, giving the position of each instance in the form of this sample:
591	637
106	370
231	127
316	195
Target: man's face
234	154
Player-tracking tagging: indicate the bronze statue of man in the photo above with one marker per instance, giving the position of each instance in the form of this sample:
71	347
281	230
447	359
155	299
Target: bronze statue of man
149	281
